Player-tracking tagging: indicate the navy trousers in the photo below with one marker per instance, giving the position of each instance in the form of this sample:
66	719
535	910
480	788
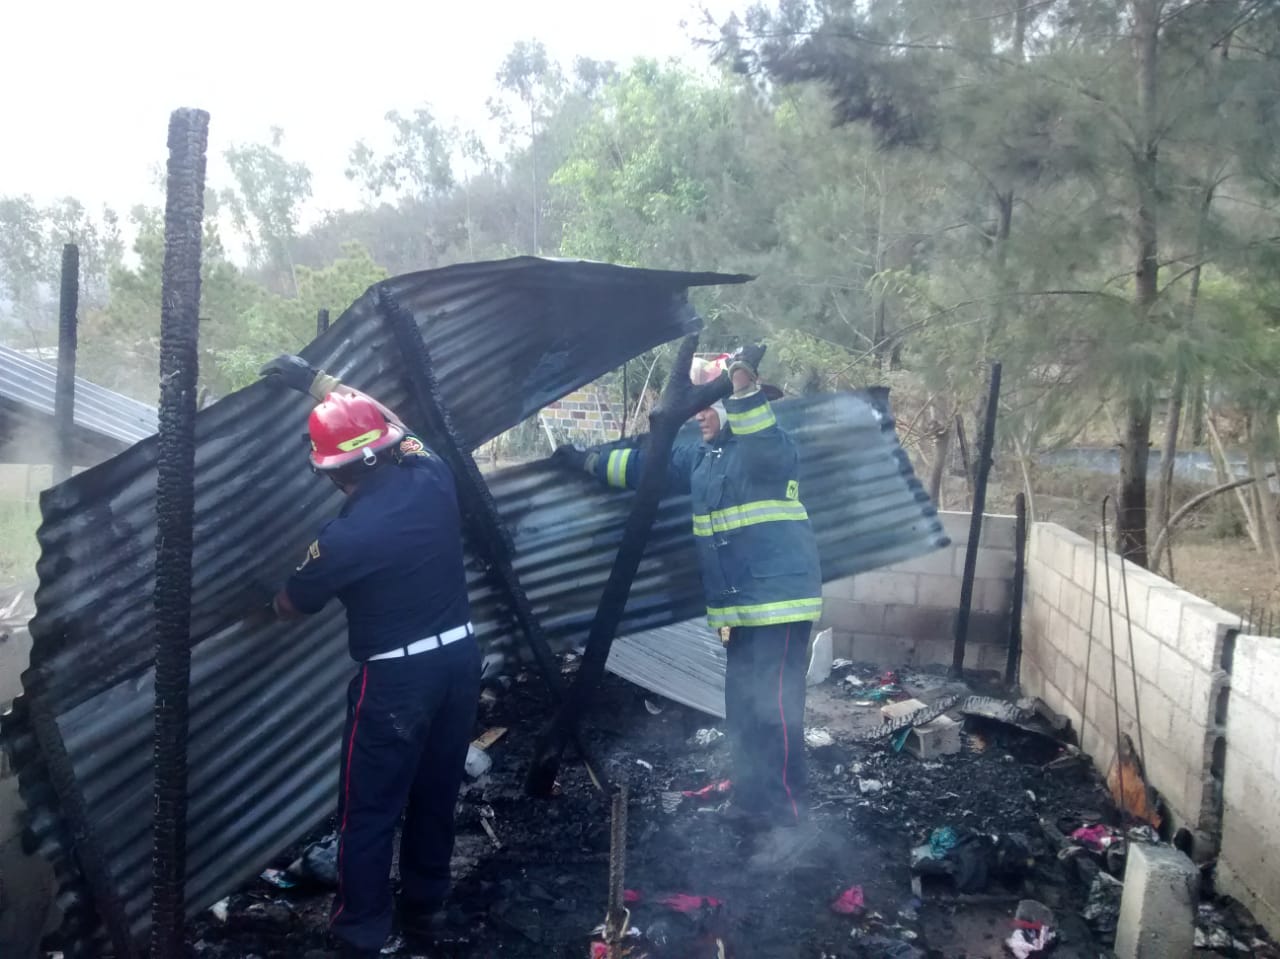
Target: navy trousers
764	689
409	722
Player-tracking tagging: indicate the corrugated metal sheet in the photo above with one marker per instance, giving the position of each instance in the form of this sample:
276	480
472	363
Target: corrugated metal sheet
106	422
683	662
266	703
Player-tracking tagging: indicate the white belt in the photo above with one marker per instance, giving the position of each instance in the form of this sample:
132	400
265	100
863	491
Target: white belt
431	642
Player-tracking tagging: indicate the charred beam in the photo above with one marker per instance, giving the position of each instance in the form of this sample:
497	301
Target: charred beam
680	400
489	534
64	397
983	470
175	503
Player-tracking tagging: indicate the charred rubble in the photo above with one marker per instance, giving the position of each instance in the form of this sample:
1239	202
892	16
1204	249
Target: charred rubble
900	857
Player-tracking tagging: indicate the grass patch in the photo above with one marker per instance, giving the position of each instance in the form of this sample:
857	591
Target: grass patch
19	519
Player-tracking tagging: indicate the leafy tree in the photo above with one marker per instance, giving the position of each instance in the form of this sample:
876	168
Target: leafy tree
274	324
419	165
266	202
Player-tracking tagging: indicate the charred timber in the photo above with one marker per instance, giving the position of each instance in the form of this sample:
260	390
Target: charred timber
680	400
175	504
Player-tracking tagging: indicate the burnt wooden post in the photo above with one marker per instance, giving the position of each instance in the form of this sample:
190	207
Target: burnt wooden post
175	504
64	396
975	521
1019	579
322	321
680	400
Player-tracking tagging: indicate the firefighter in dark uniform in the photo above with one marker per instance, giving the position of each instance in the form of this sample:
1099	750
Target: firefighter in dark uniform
760	574
393	557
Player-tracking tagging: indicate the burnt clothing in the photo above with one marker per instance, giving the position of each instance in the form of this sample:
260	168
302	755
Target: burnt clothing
404	747
392	556
756	548
764	693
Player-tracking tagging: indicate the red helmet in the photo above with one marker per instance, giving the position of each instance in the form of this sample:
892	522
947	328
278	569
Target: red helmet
345	429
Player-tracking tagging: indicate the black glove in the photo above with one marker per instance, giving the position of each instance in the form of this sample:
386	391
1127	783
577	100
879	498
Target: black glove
259	605
570	457
291	371
748	357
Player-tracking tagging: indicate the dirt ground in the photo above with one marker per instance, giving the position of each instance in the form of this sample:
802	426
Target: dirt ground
539	887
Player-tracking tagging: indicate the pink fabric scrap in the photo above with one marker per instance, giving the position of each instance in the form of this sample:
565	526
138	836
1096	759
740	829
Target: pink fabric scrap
849	902
707	791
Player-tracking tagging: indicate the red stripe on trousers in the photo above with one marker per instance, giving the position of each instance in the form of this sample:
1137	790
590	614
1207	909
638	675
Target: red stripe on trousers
346	790
786	752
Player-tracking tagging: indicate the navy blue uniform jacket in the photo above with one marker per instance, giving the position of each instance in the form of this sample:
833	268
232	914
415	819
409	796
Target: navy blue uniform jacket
392	556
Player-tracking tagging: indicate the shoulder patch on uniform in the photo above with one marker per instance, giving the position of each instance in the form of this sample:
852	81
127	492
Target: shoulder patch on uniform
412	446
793	489
313	552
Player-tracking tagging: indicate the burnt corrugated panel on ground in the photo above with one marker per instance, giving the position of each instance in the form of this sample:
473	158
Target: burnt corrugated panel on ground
106	423
683	662
266	702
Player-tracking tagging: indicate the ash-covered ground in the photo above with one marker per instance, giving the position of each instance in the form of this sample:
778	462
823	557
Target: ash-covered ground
538	886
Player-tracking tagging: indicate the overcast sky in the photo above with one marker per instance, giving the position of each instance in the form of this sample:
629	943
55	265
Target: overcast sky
88	86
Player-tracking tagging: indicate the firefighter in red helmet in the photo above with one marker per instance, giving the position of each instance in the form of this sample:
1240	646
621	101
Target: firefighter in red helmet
393	557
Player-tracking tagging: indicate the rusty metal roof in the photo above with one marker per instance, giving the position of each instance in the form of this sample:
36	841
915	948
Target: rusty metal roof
266	702
106	423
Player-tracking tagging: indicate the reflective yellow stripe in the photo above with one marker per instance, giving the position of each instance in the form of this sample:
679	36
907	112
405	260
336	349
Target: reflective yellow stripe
616	468
753	420
364	439
766	614
748	514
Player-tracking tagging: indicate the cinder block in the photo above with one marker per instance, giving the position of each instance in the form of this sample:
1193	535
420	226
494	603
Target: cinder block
919	622
936	651
839	588
990	657
1263	666
1164	613
1203	632
989	628
991	595
997	529
888	651
1205	687
1062	552
853	617
957	526
998	532
1158	905
937	563
1083	564
990	563
1067	677
941	737
1146	648
1139	583
1247	873
1101	712
939	591
1157	710
1073	602
1176	676
1252	734
841	644
885	588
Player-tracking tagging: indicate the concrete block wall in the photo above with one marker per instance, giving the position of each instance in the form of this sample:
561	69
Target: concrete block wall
1179	641
1249	762
584	416
904	615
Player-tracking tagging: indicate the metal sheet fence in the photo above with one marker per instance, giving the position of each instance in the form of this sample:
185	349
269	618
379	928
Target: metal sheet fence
266	702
